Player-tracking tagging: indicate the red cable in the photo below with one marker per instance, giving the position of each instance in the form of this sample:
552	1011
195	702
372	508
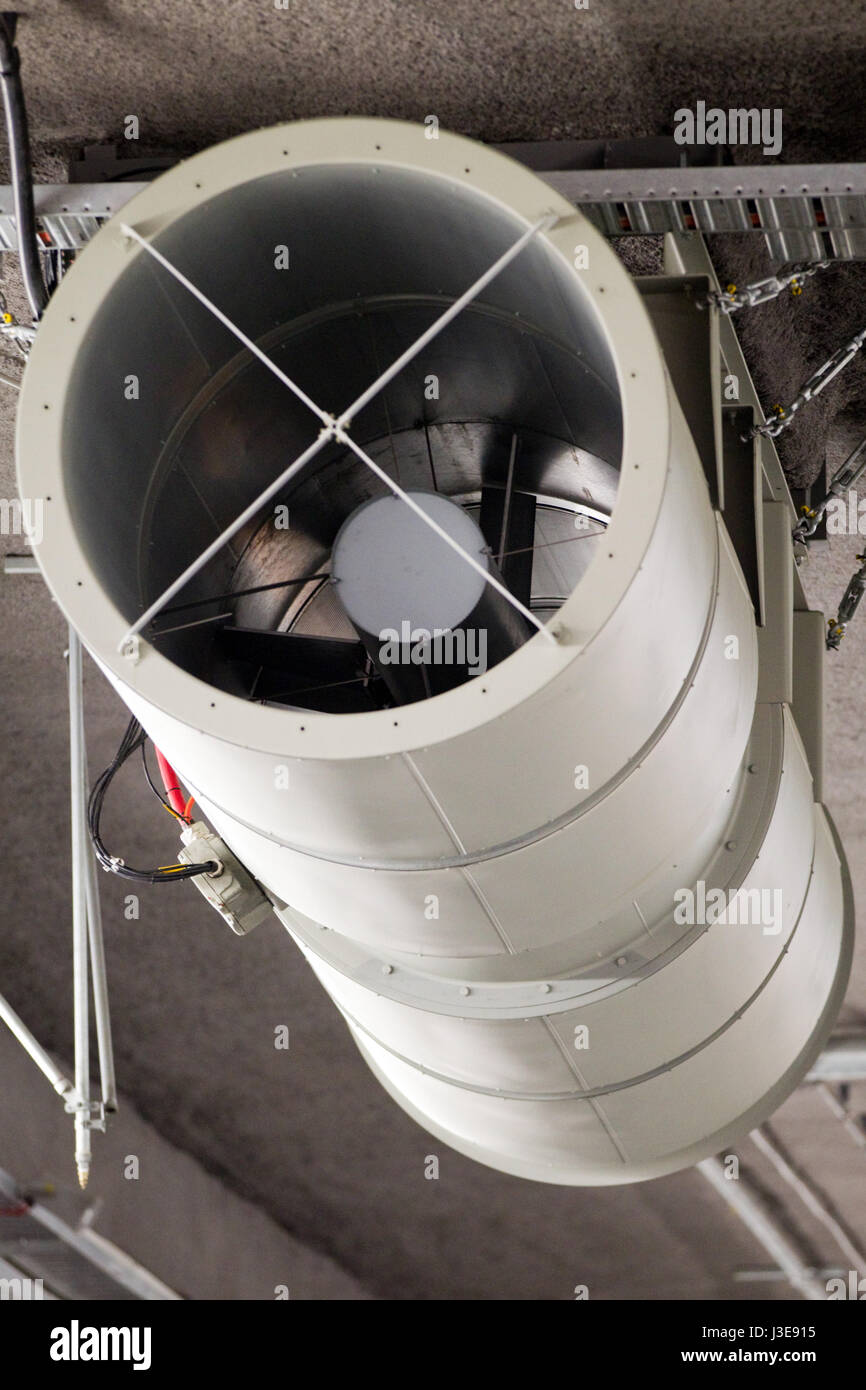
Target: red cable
170	782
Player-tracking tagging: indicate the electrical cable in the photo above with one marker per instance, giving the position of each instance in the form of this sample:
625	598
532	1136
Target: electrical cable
170	782
20	171
153	787
133	739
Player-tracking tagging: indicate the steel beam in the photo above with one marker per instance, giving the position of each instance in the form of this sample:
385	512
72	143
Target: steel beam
804	211
745	1201
843	1061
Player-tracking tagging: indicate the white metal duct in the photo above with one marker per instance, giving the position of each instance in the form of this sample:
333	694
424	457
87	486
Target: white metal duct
492	882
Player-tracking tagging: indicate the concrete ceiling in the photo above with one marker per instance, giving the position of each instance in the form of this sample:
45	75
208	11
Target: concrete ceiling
308	1135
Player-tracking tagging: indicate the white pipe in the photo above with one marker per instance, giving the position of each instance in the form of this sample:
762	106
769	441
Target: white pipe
81	999
44	1062
809	1198
745	1203
843	1059
99	975
852	1126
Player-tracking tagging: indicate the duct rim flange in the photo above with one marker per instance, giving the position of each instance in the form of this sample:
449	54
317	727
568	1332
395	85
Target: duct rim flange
375	143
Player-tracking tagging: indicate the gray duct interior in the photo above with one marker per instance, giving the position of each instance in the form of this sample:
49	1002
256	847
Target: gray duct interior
374	258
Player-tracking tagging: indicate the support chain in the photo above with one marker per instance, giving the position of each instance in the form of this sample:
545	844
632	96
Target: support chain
779	418
849	474
838	626
729	300
851	471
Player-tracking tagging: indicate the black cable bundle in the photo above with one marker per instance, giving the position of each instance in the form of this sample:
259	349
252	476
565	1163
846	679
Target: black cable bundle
133	739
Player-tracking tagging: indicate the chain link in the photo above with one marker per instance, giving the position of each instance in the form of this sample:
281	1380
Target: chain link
850	473
729	300
18	335
781	419
838	626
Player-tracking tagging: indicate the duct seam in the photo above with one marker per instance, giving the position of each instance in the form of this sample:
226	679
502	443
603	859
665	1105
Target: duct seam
596	1091
531	837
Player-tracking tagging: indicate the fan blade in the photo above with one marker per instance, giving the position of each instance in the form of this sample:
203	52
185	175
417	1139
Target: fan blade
292	660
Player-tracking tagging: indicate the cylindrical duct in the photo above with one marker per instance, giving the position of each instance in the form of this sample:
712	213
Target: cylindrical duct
510	889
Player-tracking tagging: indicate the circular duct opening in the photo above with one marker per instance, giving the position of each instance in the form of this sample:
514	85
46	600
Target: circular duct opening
171	427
